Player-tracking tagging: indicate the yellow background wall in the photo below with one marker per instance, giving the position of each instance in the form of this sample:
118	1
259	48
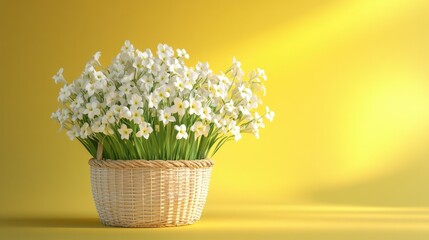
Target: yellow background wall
349	81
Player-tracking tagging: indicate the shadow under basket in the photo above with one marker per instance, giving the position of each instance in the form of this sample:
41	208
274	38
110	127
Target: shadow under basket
149	193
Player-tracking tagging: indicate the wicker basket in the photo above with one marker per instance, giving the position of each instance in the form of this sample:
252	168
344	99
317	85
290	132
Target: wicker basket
156	193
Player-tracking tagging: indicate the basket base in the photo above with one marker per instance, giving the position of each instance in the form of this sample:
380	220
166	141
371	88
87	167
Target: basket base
160	225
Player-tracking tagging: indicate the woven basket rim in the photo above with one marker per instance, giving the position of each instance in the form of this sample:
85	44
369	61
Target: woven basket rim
143	163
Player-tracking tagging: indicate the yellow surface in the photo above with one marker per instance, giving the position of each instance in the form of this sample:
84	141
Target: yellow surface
349	81
242	222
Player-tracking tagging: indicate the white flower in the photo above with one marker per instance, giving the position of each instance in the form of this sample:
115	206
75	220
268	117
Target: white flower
219	91
125	112
144	130
64	93
73	132
125	131
163	79
63	116
219	121
261	73
138	60
257	75
170	90
234	130
245	93
136	114
162	92
99	76
111	98
148	63
164	51
259	121
229	106
174	65
224	80
90	88
97	127
237	135
179	83
180	106
125	90
269	114
181	131
108	130
124	58
258	87
205	113
153	100
116	109
245	111
95	59
77	102
253	102
147	54
136	101
146	83
55	115
128	47
92	110
78	114
187	84
195	107
109	117
59	76
127	78
116	70
203	68
85	131
181	53
236	69
191	76
254	129
199	129
165	116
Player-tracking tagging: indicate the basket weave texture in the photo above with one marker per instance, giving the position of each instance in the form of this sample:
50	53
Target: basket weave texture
155	193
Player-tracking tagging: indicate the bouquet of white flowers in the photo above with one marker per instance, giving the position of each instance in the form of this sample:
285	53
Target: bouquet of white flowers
151	107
